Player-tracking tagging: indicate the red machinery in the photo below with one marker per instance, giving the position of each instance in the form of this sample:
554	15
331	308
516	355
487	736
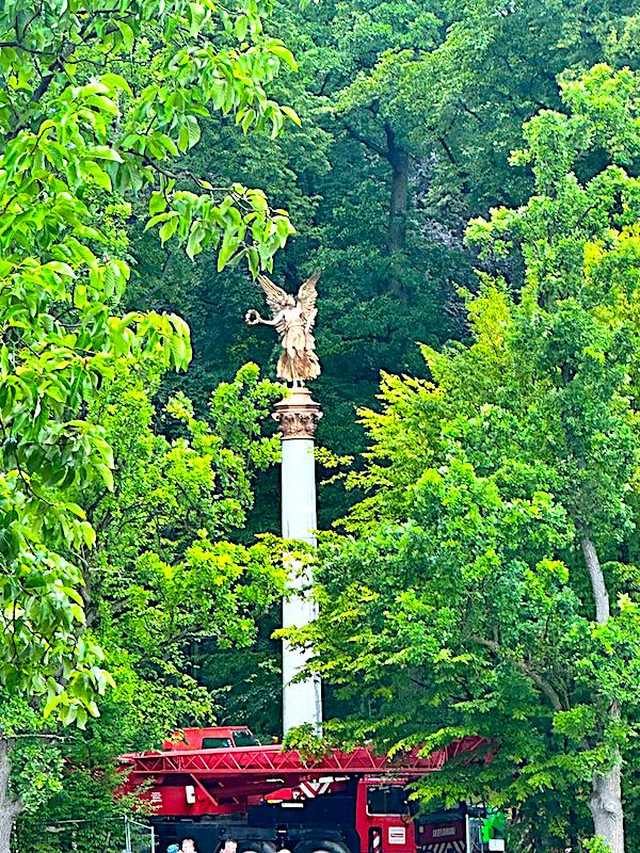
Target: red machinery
266	799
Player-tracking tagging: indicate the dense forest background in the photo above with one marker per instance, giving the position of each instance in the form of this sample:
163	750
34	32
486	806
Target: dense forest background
410	111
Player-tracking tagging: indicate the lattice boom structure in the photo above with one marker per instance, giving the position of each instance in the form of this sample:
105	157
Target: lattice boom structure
267	761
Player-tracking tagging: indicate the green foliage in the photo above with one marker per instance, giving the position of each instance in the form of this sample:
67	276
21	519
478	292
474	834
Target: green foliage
453	82
596	845
310	745
165	575
441	91
459	602
165	585
409	111
35	756
78	123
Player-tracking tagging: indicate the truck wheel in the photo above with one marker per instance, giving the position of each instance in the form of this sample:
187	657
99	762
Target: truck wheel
257	847
322	846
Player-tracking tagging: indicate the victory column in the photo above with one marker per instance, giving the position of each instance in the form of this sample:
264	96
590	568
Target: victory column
297	415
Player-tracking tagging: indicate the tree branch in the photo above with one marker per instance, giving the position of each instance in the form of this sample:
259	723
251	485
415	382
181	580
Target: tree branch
372	146
537	679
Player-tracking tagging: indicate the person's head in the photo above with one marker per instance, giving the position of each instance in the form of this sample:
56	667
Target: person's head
188	846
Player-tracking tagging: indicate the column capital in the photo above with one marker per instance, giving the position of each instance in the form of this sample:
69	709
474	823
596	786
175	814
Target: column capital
298	414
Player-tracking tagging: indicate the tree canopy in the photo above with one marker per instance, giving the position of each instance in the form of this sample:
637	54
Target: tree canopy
486	586
74	131
97	104
163	583
154	155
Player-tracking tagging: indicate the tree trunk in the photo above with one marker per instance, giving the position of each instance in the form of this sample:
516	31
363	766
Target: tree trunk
606	795
600	594
399	159
9	807
606	808
573	831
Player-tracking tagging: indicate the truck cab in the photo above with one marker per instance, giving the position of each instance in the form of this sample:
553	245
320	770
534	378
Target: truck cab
212	737
385	823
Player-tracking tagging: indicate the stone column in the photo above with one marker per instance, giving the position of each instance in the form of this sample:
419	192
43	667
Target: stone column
298	415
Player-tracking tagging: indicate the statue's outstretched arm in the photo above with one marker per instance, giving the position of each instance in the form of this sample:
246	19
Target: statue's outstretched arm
253	318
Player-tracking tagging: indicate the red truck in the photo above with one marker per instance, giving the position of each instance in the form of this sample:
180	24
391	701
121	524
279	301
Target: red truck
230	794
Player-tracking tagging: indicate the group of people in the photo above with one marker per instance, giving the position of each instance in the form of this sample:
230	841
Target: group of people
189	846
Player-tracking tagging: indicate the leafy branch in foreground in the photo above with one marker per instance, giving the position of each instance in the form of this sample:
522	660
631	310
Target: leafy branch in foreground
98	98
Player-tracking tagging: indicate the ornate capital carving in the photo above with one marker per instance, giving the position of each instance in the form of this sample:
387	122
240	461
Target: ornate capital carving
298	414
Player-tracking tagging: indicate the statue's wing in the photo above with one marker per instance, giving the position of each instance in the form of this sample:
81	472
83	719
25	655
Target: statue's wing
276	297
307	296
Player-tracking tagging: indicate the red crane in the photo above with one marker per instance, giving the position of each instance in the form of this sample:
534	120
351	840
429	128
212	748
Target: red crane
265	799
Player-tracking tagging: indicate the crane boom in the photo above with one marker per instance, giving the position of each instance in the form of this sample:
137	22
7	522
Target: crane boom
262	762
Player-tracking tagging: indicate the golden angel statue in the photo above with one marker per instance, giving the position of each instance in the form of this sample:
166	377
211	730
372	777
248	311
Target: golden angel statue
293	319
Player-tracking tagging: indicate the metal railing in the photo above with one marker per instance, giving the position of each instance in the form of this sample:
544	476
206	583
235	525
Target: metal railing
139	838
116	835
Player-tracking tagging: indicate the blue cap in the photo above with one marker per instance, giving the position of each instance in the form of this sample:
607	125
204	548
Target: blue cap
173	848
